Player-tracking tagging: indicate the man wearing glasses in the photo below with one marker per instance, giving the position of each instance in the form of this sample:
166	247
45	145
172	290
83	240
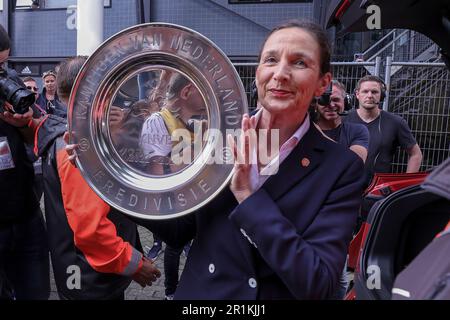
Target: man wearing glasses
31	85
38	186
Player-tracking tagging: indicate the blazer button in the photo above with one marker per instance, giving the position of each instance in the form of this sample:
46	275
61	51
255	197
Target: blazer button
252	283
212	268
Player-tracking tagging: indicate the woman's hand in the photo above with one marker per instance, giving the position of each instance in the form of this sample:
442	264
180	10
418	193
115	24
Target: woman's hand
70	149
241	184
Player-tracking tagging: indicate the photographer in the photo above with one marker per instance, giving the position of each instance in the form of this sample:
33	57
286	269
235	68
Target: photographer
23	245
328	118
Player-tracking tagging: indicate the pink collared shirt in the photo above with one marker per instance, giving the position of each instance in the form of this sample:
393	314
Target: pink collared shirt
258	178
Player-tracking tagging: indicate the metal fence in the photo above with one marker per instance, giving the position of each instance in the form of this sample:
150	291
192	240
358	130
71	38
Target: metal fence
247	73
418	92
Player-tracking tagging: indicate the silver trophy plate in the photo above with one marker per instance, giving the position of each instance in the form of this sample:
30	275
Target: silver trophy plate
150	111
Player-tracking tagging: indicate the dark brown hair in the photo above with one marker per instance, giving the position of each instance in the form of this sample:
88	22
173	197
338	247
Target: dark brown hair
316	32
68	71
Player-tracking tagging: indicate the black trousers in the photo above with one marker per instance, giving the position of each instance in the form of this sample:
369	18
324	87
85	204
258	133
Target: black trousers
24	261
171	267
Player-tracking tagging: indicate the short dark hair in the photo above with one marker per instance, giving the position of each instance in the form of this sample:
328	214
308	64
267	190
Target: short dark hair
368	78
27	79
5	43
316	32
177	82
68	71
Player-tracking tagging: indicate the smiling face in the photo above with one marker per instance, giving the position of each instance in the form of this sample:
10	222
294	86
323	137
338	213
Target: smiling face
330	112
288	74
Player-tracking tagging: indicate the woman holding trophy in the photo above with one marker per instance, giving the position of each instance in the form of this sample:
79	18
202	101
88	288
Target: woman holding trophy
283	235
281	228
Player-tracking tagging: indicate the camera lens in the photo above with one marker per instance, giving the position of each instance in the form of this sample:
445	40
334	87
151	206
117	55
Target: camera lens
19	98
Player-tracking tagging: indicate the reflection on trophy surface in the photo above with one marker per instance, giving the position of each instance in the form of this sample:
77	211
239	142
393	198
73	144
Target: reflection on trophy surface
149	112
143	133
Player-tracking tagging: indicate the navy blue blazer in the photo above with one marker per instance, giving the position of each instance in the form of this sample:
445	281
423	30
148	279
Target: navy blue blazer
288	240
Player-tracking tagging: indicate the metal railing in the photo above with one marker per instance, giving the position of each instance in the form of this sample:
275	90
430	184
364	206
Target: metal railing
402	45
390	48
372	50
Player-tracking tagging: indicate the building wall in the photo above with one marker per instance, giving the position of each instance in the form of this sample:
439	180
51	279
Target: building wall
41	38
236	29
45	33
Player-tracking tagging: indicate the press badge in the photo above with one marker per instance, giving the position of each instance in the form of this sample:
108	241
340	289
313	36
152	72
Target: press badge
6	159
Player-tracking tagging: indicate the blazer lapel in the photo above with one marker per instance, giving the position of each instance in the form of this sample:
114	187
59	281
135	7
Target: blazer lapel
306	156
290	172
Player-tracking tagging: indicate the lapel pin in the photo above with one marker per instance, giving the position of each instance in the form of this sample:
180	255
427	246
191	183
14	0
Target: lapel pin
305	162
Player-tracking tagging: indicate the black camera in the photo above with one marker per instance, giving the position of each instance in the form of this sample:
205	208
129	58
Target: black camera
19	98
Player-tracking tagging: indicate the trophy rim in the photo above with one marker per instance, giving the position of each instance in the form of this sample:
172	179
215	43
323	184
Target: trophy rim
85	171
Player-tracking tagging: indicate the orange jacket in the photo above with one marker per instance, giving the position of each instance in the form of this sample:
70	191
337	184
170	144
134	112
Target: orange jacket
94	234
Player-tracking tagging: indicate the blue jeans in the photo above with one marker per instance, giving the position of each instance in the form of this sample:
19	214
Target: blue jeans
24	258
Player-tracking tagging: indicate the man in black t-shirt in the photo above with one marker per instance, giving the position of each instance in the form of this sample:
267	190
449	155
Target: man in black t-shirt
387	131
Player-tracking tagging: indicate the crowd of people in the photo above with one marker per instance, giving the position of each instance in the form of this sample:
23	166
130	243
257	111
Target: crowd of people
265	236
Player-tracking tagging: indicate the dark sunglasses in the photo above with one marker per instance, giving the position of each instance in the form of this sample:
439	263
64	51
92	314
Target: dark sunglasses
32	88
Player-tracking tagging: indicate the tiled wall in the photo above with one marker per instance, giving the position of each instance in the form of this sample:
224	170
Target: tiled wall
236	29
44	33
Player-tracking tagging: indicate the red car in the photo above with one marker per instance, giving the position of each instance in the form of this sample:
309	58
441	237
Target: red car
382	186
